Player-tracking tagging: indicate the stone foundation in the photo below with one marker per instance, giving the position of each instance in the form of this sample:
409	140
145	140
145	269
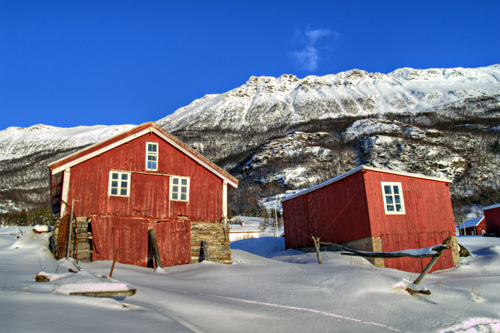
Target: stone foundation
83	249
217	240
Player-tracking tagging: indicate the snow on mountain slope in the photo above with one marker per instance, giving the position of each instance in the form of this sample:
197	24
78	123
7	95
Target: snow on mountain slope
19	141
264	102
26	152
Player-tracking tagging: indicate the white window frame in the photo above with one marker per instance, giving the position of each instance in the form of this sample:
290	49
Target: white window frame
119	184
176	194
152	154
393	197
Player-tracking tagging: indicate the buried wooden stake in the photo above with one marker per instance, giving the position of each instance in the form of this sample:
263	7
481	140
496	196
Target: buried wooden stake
114	262
316	245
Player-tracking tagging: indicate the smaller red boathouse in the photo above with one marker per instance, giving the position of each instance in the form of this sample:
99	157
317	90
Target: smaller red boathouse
375	210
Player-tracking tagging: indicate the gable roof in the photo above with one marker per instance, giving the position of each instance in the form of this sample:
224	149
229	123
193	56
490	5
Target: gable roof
359	168
472	222
122	138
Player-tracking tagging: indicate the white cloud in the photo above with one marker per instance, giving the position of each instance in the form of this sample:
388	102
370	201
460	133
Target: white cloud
307	58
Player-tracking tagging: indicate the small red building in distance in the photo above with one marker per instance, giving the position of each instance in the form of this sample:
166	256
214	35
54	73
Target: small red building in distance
375	210
143	179
475	226
492	219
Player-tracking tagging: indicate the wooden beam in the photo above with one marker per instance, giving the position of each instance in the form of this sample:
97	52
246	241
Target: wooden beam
395	254
113	293
152	237
433	261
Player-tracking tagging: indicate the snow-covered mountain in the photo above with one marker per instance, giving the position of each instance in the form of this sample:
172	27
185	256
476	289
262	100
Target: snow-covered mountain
267	102
284	133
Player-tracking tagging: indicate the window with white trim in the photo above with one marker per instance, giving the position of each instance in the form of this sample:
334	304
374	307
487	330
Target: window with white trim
151	156
179	188
119	183
393	198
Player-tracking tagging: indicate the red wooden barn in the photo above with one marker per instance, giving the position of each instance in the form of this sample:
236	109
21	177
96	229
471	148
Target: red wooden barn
475	226
375	210
144	179
492	219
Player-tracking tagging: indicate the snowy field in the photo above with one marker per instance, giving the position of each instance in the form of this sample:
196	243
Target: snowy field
266	289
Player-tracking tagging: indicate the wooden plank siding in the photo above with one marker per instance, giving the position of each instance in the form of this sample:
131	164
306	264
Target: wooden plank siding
328	213
130	237
428	218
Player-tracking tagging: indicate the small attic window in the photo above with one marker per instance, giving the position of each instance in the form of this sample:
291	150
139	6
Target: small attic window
152	156
393	198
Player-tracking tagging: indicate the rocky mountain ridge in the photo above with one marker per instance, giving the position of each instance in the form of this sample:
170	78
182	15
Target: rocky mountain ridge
263	103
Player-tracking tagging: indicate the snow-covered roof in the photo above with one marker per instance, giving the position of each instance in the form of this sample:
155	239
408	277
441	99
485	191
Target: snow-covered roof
364	167
491	207
471	222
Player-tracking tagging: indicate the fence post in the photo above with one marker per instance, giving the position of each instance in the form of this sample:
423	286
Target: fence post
316	245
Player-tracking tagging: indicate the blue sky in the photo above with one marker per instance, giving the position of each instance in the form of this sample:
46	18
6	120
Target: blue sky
70	63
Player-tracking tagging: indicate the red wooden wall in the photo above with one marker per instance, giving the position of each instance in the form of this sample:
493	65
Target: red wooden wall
428	218
336	213
130	237
492	219
122	222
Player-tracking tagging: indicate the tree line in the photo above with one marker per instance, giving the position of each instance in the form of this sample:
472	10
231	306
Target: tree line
29	217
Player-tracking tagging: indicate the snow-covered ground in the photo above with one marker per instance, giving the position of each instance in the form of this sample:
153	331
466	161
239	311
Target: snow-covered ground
266	289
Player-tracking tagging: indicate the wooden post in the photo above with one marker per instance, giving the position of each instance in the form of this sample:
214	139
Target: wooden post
152	237
316	245
114	262
76	242
206	252
432	262
69	229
